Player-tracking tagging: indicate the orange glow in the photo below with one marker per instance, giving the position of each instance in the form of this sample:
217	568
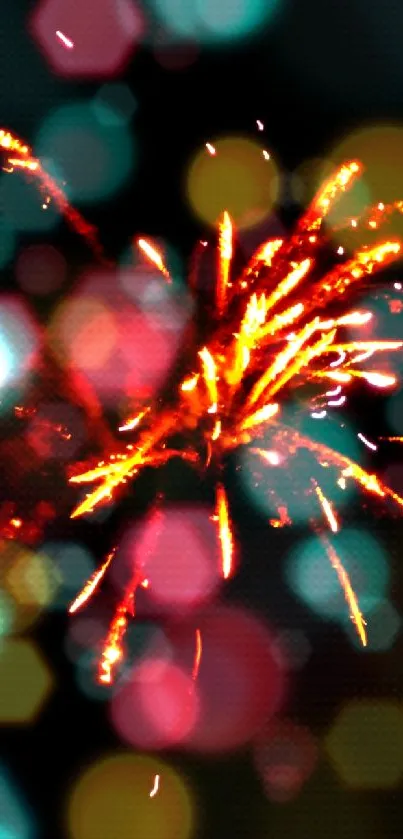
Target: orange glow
198	655
272	335
92	584
345	583
224	260
224	532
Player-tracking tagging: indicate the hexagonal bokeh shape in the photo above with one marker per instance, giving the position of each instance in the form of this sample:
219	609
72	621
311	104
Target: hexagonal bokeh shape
365	744
26	681
92	39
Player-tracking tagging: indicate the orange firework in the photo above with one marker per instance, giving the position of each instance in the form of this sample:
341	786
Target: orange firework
277	327
238	381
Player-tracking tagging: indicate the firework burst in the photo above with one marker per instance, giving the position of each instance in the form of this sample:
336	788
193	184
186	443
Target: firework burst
276	328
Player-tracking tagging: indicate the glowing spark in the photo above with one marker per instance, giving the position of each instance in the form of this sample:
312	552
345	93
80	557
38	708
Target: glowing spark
156	786
224	531
246	370
347	588
66	41
198	655
134	422
266	154
190	384
327	509
367	442
92	584
210	377
260	125
260	416
273	458
224	261
155	257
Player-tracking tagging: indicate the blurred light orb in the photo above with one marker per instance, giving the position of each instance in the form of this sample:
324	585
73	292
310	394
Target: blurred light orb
15	819
26	210
31	578
7	610
312	578
156	707
176	548
95	158
73	564
365	744
19	339
19	585
113	799
207	21
86	41
240	683
285	755
120	334
380	150
84	332
56	432
40	270
26	681
237	179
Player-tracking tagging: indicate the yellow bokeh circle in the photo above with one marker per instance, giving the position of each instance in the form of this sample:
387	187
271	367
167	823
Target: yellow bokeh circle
380	149
127	796
238	177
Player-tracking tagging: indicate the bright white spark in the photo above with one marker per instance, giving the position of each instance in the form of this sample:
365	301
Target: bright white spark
155	787
66	41
335	403
367	442
339	360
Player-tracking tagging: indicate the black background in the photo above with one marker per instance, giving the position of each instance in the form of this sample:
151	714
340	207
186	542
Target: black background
318	72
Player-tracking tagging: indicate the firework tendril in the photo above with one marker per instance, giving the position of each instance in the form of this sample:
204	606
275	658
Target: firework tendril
276	328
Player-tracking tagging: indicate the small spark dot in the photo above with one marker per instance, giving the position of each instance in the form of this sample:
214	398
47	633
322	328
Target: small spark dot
66	41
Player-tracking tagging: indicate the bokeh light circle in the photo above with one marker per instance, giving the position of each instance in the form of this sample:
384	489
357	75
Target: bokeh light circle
95	158
40	269
380	150
237	178
157	706
112	799
208	21
177	550
240	682
312	578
